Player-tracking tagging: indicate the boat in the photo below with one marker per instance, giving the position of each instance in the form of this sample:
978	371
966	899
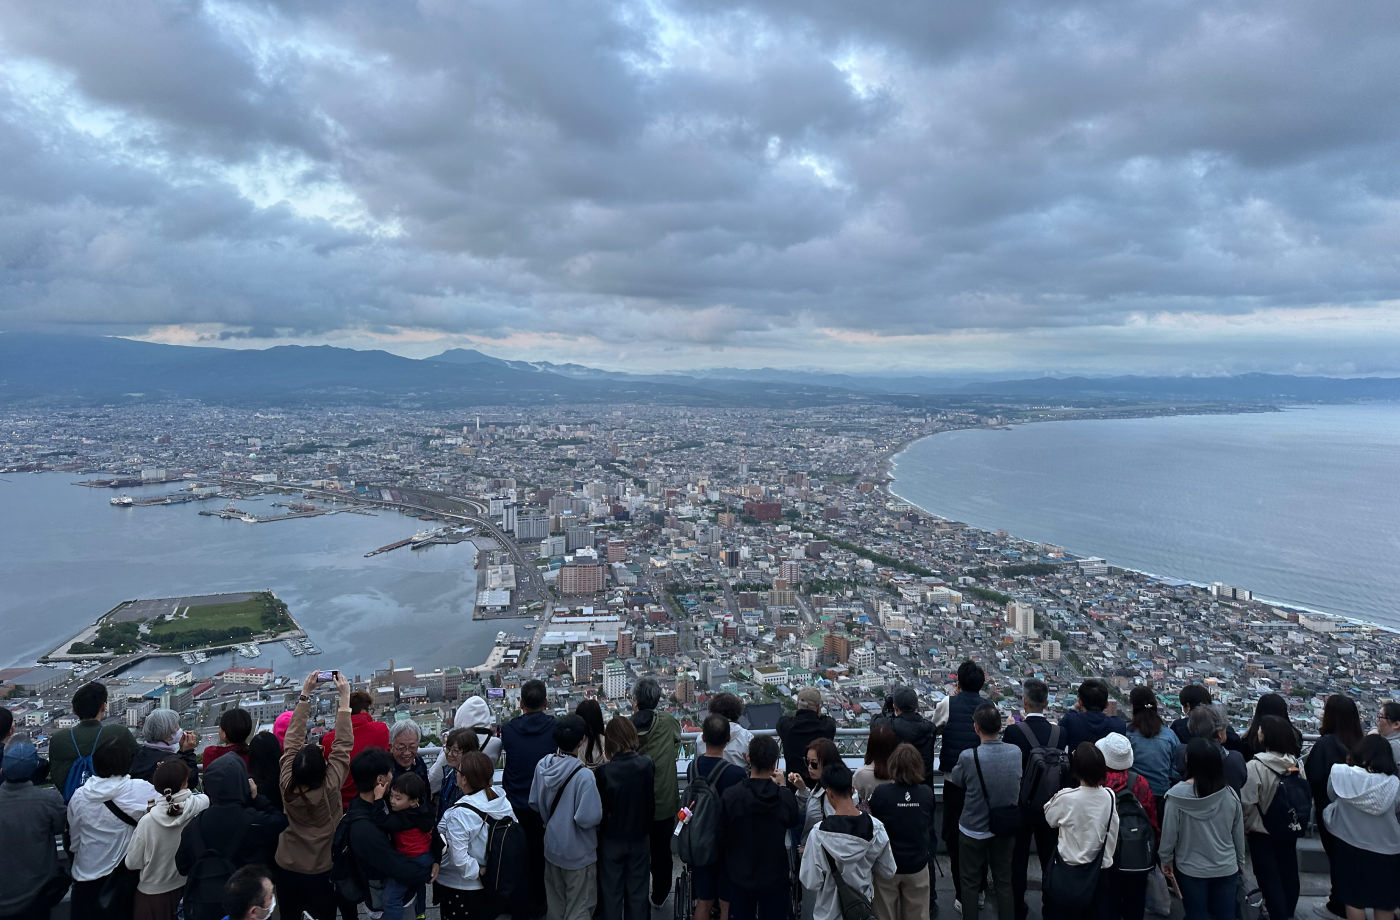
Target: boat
249	518
248	650
125	501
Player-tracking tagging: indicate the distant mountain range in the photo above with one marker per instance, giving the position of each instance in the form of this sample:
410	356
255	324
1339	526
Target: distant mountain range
57	370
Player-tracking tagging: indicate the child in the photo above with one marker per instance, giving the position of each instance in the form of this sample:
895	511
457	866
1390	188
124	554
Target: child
409	821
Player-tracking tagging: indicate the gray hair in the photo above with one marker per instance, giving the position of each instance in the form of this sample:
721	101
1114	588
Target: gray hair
160	726
647	693
403	727
1201	722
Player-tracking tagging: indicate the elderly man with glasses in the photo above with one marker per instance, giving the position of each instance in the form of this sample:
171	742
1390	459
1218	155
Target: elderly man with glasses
1388	726
404	736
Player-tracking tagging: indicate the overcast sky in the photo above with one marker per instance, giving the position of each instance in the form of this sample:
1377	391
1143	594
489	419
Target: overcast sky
1040	186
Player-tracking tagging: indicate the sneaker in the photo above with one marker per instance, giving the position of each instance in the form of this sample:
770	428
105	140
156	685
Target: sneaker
957	907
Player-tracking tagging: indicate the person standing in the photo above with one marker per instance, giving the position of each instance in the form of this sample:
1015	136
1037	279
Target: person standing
592	751
1388	726
1275	858
1089	719
526	740
1123	895
1270	704
373	849
464	830
659	736
800	729
1192	696
910	726
758	814
875	771
1086	820
90	706
958	735
157	838
1035	731
163	739
1154	745
565	793
1209	722
846	842
1341	732
30	819
713	765
235	728
904	805
473	715
1364	820
732	708
990	776
1203	836
626	788
369	733
102	816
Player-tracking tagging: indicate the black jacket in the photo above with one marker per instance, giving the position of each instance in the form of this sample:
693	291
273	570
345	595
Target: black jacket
799	730
1183	734
907	813
1325	754
1041	728
374	850
757	815
526	740
626	786
143	765
232	811
958	733
912	728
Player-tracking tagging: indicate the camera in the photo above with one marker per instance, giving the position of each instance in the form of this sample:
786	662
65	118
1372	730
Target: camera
324	676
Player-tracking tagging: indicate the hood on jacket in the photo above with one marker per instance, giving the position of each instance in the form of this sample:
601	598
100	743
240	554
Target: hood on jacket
643	720
1183	795
1279	763
191	804
226	781
106	788
552	770
499	807
472	714
845	837
1373	793
763	795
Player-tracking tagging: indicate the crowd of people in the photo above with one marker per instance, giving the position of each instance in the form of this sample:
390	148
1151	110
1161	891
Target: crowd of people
590	813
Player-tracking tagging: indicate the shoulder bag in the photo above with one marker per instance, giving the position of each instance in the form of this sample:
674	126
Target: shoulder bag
119	887
1071	888
1003	820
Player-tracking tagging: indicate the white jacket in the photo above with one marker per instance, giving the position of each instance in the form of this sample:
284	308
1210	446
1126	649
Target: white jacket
99	838
1081	814
859	859
153	845
473	713
464	833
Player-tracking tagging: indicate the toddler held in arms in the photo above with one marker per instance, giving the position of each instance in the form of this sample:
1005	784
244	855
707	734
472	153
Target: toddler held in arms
409	821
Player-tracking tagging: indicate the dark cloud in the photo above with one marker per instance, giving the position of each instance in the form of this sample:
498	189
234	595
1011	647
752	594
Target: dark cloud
698	175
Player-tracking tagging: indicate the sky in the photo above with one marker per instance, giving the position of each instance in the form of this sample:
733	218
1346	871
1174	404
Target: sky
1065	187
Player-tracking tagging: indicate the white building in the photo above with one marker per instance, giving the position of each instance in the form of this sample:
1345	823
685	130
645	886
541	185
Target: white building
1022	617
769	675
862	659
1049	650
614	679
582	662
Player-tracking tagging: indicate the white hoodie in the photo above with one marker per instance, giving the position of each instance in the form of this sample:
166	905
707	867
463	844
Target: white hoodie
1365	808
473	713
464	833
99	838
153	845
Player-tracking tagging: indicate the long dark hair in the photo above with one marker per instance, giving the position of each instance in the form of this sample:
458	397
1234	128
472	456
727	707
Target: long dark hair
592	715
1341	718
1275	706
1205	767
1147	721
264	755
878	749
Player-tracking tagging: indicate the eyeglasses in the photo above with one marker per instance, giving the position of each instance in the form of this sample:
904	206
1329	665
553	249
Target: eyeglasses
399	747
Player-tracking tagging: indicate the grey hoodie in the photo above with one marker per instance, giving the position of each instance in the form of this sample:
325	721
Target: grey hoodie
1204	837
571	839
1364	809
860	847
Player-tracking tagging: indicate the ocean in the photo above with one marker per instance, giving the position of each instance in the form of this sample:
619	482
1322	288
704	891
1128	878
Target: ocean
67	557
1300	506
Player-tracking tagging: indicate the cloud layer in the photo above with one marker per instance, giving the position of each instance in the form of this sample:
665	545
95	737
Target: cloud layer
1077	186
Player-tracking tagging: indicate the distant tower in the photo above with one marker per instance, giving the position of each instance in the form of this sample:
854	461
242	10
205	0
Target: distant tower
743	464
478	424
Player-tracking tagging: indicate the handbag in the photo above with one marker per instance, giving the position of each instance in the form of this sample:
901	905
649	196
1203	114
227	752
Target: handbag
852	901
119	887
1071	888
1003	820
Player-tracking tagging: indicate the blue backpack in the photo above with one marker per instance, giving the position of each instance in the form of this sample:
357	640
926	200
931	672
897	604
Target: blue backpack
82	766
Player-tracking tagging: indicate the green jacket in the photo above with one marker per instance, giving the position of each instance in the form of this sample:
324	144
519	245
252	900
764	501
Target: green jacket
62	753
660	736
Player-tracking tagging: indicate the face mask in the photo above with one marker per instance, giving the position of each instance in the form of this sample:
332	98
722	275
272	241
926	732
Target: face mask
271	907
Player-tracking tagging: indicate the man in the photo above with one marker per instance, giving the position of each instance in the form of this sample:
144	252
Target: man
404	737
731	707
565	794
372	770
368	733
527	739
911	727
658	734
249	894
803	727
959	735
1088	721
757	815
845	841
990	775
1208	721
1388	726
30	819
1036	731
90	706
714	734
1191	696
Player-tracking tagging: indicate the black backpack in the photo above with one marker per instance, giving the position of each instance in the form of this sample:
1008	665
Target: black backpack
506	857
204	886
347	878
698	844
1046	772
1291	810
1137	841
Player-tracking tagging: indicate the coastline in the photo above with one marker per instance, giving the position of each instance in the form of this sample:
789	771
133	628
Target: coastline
888	467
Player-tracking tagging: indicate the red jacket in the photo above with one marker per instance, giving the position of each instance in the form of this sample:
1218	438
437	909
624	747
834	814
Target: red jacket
368	734
1118	779
214	751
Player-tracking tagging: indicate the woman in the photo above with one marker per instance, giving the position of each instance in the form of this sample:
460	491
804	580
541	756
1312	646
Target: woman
821	753
264	758
459	890
459	741
875	772
1341	732
1126	894
102	816
1154	746
625	785
1275	859
310	784
368	733
1270	704
1203	836
235	725
1364	819
591	752
157	839
163	739
1086	819
475	715
904	805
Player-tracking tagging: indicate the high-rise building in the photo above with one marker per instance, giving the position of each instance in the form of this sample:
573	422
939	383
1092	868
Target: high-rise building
731	559
665	643
837	645
531	524
582	579
599	651
582	665
1022	617
552	546
614	679
1050	650
617	551
791	571
578	536
863	659
624	643
685	688
713	674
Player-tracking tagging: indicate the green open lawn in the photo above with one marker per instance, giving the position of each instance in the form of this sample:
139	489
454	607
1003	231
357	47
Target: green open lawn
209	623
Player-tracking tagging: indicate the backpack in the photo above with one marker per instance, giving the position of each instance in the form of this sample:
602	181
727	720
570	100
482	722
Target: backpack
347	878
853	903
506	857
204	886
82	766
1046	772
698	843
1137	841
1291	810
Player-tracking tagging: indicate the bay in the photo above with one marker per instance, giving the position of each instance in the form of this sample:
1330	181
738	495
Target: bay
67	556
1300	506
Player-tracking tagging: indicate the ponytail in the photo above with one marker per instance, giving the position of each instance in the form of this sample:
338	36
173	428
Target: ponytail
170	778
